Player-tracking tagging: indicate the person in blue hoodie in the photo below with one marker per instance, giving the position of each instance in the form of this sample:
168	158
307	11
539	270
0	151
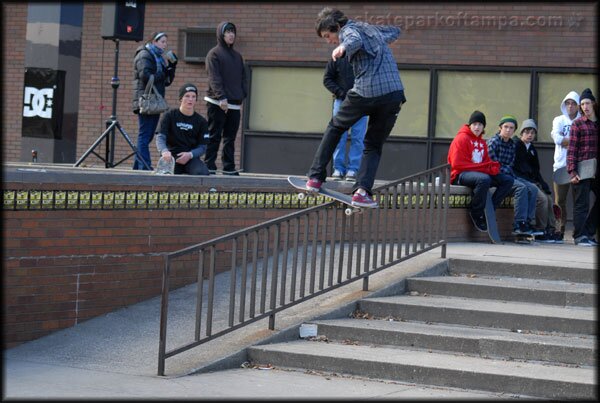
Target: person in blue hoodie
227	89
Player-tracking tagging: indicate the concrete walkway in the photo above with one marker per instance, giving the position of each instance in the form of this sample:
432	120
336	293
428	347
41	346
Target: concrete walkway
116	355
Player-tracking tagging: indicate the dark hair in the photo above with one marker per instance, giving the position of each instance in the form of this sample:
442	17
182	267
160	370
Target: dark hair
330	20
155	34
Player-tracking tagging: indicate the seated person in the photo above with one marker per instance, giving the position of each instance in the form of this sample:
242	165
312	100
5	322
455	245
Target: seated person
470	165
527	168
183	134
502	149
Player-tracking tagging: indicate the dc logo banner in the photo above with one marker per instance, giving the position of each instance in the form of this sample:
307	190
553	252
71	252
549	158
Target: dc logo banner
43	96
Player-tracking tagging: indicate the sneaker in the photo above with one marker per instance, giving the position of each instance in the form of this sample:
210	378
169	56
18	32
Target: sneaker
365	200
337	175
537	232
583	241
593	241
231	173
313	185
545	238
521	228
351	176
558	237
479	222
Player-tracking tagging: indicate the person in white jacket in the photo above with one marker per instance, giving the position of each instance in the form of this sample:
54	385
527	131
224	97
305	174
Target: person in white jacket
561	127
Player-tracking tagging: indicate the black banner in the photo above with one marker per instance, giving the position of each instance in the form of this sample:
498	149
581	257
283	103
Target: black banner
43	101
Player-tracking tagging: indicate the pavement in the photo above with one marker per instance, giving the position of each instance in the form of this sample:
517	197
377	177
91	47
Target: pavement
116	355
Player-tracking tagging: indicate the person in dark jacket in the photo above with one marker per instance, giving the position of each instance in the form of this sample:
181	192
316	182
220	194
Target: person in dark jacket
527	167
339	79
150	60
227	89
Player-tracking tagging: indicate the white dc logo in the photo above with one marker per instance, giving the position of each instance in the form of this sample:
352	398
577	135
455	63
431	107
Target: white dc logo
38	102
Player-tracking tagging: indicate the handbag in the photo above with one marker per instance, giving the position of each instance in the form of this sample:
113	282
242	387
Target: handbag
151	102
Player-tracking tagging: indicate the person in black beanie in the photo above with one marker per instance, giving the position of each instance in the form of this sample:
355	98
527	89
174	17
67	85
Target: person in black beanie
183	134
584	146
471	165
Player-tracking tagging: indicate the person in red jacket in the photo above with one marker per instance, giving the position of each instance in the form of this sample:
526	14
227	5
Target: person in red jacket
470	165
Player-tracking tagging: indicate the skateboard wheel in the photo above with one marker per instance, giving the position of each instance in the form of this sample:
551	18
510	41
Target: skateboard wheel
348	211
301	196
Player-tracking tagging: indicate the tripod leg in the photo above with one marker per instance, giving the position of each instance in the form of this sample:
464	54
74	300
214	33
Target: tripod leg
98	140
133	147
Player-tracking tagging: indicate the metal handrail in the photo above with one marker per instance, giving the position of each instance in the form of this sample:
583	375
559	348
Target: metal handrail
288	260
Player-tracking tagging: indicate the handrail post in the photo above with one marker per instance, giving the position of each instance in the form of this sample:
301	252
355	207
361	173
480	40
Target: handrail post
164	303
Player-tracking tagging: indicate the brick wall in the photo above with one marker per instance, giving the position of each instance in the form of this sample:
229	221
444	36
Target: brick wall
434	34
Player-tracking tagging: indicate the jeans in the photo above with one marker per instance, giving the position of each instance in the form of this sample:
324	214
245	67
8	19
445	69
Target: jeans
585	221
357	137
544	213
195	166
382	111
223	125
525	195
480	183
147	125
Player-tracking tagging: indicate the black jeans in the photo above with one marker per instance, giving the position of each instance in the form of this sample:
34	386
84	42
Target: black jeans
195	166
382	111
224	125
585	220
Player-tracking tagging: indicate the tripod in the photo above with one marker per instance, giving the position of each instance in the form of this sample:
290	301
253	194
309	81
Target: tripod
111	124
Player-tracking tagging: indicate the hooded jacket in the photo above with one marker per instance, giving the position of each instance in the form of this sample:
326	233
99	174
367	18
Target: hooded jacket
527	164
226	71
469	152
561	127
144	65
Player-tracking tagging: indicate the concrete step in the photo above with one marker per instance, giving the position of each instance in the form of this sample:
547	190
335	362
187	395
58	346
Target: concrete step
551	292
433	368
483	312
579	273
481	342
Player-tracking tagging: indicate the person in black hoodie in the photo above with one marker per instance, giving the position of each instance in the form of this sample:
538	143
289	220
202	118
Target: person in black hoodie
227	89
527	167
150	60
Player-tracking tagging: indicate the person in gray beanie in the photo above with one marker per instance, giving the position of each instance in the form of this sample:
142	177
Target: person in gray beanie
527	168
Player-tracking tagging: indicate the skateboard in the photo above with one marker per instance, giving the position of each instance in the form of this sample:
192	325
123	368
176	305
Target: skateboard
526	239
300	184
165	167
586	169
490	219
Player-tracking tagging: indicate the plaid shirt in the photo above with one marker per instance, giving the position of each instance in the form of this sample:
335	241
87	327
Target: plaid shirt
583	144
503	152
375	69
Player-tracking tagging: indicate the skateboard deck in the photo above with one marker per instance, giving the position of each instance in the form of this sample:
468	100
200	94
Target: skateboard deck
300	183
165	167
490	219
586	169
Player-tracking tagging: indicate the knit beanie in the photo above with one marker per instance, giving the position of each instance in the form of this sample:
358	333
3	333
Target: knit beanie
587	94
189	87
508	118
528	124
477	117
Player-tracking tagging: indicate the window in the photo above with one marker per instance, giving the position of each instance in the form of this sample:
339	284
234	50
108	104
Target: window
494	93
289	99
195	43
552	90
413	118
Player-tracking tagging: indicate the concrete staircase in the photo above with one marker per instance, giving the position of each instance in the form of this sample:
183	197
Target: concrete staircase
525	330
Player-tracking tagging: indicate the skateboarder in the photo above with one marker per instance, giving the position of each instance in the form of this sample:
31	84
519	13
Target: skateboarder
183	134
377	92
583	146
470	165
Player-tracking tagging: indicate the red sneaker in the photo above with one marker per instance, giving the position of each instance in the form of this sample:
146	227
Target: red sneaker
363	200
313	185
